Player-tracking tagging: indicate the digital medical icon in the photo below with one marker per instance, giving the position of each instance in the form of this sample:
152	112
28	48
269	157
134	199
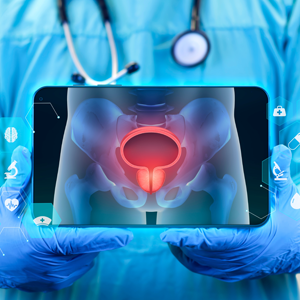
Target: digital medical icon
14	133
278	173
35	218
13	168
295	202
294	142
11	204
279	111
42	221
11	134
290	137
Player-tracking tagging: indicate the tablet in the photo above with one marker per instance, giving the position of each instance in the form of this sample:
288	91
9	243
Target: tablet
151	156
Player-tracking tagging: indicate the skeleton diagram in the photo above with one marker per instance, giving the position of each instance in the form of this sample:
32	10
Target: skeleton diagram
151	159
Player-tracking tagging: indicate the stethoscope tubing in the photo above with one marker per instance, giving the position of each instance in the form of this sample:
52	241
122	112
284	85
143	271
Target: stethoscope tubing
115	74
132	67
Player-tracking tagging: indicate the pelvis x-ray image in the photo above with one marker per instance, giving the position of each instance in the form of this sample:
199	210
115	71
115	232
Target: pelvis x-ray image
138	152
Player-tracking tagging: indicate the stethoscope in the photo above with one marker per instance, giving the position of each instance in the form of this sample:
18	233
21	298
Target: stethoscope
189	49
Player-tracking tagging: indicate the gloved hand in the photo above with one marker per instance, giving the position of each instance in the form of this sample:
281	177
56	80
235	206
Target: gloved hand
237	254
45	264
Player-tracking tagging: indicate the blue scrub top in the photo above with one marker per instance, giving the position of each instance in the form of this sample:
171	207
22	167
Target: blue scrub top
252	43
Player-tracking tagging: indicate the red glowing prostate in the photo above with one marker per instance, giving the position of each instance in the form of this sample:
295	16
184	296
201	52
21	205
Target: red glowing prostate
150	150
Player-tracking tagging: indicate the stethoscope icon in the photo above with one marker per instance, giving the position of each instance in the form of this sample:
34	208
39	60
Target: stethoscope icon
294	142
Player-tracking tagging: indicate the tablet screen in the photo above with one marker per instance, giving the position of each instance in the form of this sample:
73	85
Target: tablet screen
152	156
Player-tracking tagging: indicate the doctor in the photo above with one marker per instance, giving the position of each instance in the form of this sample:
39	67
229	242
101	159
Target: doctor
252	43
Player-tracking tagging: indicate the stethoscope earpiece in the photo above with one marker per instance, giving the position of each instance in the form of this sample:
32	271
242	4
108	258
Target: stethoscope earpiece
132	67
190	48
77	78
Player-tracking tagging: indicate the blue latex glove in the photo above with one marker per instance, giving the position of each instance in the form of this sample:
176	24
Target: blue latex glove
237	254
46	264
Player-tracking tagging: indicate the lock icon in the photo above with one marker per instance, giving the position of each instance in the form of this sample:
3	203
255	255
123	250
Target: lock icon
279	111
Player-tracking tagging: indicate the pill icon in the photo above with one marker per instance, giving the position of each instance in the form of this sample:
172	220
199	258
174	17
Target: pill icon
294	142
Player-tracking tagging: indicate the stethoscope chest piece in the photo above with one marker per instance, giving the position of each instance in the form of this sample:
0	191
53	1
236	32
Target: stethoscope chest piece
190	48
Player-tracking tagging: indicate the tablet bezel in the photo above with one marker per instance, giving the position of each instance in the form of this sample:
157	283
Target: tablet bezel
41	94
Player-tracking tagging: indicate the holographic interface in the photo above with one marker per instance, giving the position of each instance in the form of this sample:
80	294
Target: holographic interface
169	156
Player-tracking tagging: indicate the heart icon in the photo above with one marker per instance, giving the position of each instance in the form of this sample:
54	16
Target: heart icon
11	204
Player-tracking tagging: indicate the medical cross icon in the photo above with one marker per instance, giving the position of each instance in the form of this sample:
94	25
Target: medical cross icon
279	111
42	221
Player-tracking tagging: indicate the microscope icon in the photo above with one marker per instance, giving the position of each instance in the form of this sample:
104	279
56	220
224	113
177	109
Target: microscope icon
279	173
12	166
